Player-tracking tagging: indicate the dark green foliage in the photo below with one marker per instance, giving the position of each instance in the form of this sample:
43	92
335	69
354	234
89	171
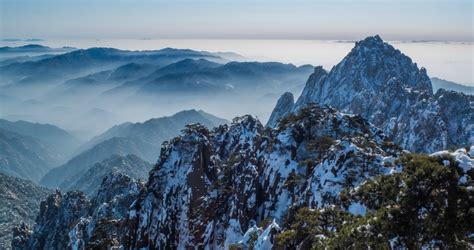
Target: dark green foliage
265	222
105	235
423	205
311	226
195	128
320	144
310	115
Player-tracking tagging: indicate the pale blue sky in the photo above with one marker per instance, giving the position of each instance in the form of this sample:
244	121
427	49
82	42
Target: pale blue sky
232	19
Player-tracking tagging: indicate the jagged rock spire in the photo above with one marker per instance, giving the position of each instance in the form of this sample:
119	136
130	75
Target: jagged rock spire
283	107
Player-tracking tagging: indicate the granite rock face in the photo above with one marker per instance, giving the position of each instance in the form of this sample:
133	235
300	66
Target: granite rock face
19	204
72	221
283	107
381	84
219	188
210	187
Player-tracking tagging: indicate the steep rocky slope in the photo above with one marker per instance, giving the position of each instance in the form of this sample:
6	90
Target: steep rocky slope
209	187
283	107
384	86
215	185
240	185
71	221
19	203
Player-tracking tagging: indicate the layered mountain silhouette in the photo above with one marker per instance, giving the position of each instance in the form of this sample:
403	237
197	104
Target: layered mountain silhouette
449	85
54	137
52	70
25	156
90	179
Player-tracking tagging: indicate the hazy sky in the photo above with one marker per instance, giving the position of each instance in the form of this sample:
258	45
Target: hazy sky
233	19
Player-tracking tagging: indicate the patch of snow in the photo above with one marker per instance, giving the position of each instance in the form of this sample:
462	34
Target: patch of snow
265	240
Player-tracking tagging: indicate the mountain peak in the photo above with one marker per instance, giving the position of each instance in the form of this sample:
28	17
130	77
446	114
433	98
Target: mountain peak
386	87
370	43
373	63
283	107
319	71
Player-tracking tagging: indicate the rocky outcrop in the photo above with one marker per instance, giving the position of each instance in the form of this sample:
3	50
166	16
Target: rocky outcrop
312	87
384	86
71	221
19	204
283	107
209	187
56	214
221	188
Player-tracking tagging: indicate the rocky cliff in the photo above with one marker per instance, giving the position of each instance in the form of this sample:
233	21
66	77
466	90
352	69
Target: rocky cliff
238	185
384	86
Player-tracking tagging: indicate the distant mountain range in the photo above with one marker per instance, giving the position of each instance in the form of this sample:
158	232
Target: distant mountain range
25	156
59	88
29	150
50	71
155	131
77	61
53	137
89	179
30	47
142	139
449	85
234	77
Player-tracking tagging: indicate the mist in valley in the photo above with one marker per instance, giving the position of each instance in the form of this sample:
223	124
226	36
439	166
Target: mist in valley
88	91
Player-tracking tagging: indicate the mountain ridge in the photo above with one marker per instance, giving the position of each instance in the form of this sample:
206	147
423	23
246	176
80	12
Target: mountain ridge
220	188
384	86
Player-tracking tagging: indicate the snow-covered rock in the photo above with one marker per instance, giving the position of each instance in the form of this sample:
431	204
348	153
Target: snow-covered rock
71	221
210	187
465	161
384	86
